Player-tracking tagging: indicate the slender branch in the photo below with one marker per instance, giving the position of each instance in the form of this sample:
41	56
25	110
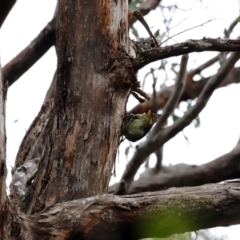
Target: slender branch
205	44
152	144
223	55
191	86
191	91
175	96
220	169
30	55
169	107
5	8
185	30
154	91
145	8
202	99
228	31
159	156
205	65
216	58
144	215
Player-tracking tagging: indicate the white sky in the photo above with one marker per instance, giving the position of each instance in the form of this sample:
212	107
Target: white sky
219	120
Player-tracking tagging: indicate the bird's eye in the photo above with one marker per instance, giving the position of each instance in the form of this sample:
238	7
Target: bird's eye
136	116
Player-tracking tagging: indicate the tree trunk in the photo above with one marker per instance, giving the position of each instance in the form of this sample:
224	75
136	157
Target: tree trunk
2	156
94	80
60	192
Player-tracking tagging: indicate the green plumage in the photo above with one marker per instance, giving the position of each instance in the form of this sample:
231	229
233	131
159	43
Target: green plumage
139	126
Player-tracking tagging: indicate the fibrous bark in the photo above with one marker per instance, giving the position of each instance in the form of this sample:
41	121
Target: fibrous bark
147	55
157	214
3	170
94	79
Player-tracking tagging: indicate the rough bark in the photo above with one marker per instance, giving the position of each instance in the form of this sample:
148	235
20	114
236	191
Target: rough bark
95	77
157	214
3	170
147	55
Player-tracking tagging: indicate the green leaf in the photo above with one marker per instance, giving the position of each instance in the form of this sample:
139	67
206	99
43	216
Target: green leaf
157	33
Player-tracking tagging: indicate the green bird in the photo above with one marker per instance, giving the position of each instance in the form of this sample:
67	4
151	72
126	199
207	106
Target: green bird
139	125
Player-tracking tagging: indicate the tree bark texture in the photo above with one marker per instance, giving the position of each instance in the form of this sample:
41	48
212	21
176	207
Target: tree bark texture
3	169
95	77
157	214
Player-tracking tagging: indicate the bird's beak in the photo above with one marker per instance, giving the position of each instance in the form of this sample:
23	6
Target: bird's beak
152	117
149	113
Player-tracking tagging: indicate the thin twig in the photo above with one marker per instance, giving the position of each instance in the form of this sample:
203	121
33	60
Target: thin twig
189	77
154	96
175	96
188	29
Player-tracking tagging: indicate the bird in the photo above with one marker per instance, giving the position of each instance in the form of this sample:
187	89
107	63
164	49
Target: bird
139	125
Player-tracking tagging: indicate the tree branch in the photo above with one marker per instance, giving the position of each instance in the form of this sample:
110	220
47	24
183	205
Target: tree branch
203	66
175	96
191	86
201	101
157	214
145	8
206	44
5	8
162	137
228	31
30	55
191	91
220	169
